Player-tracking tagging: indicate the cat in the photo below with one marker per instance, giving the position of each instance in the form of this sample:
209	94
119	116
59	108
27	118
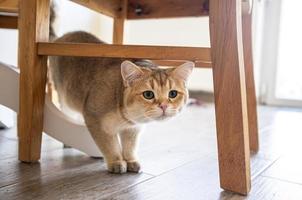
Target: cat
116	97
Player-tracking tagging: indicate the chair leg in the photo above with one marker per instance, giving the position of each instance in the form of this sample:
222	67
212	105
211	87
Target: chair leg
230	95
33	27
250	83
118	30
118	24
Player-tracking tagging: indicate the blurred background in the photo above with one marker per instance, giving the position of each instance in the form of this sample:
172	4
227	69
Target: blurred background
276	39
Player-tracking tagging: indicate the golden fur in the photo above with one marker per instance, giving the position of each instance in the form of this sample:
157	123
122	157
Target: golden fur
109	93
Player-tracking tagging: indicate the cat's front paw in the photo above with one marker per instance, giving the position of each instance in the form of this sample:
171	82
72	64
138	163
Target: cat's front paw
133	166
118	167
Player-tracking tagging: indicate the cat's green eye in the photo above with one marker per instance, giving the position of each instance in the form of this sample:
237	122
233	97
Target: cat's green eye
148	94
172	94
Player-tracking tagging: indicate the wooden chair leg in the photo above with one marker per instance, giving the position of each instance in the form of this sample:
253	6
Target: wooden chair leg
118	30
230	95
33	27
118	24
250	83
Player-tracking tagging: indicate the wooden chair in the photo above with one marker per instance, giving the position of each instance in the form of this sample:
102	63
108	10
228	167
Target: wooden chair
230	56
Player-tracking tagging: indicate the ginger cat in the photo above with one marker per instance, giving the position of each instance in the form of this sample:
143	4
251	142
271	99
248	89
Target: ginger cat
116	97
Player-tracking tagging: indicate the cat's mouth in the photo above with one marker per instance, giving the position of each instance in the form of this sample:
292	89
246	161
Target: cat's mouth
163	116
160	116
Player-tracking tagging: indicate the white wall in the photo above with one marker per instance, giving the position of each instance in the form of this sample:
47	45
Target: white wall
9	45
175	32
72	17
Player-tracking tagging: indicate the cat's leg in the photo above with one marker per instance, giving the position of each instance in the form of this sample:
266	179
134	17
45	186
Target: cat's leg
129	140
70	112
107	141
110	147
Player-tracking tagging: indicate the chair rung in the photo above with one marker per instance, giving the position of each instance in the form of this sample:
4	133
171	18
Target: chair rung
198	63
125	51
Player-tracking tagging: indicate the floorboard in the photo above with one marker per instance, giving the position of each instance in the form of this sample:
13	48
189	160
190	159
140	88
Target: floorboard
179	160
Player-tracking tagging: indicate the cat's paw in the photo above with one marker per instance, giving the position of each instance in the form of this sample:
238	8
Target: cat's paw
133	166
118	167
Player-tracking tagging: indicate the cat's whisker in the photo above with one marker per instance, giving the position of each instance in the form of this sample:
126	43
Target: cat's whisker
153	110
150	113
137	117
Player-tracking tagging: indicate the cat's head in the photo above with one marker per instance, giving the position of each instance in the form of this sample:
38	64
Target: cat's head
154	93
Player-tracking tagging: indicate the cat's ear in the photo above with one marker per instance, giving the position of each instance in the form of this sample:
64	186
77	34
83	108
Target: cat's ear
130	72
183	71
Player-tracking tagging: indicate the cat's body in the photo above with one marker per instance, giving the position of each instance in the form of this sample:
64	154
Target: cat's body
73	77
116	97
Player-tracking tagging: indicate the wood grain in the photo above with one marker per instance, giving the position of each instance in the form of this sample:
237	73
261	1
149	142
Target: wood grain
144	9
13	171
287	168
9	144
230	95
250	82
110	8
267	188
178	154
198	64
8	148
194	180
33	27
59	171
9	6
118	30
124	51
118	24
9	22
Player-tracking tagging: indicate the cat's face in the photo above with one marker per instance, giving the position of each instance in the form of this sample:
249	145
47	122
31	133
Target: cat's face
153	94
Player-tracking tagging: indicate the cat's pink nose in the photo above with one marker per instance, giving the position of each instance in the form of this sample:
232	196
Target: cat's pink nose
163	107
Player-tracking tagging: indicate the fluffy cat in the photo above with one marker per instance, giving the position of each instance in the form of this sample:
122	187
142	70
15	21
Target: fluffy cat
116	97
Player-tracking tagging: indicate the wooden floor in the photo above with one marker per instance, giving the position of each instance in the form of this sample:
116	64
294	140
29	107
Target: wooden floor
179	160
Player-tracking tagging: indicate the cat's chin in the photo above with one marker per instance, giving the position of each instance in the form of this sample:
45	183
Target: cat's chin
156	119
164	117
160	117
